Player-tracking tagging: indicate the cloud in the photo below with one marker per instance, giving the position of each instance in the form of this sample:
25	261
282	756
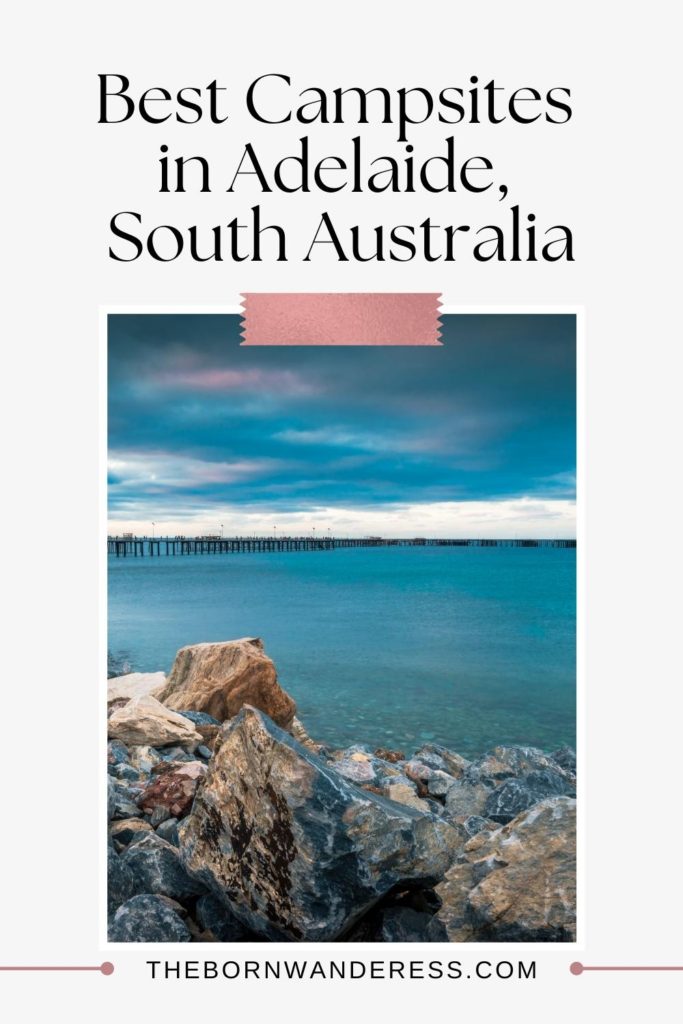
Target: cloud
223	380
515	518
156	471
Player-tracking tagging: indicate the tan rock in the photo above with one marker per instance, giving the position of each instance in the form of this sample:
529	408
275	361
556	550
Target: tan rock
517	884
221	678
403	793
135	684
145	721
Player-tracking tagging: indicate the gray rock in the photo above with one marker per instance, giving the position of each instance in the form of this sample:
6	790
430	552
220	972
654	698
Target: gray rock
111	798
123	832
176	753
297	851
159	815
213	915
439	757
566	758
516	795
124	771
157	868
121	800
476	824
401	924
120	881
168	830
199	718
440	783
117	752
148	918
202	750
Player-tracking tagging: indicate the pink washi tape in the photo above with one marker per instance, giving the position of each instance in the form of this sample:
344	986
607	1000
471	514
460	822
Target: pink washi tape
341	318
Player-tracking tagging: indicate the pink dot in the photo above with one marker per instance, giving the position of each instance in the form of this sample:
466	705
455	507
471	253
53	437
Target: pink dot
576	967
107	968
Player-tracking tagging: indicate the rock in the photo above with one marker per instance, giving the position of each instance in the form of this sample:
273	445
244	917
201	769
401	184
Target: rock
566	758
401	924
299	733
172	790
516	795
517	884
465	799
124	771
111	798
120	881
213	916
144	720
356	770
159	815
204	752
503	763
404	792
135	684
120	801
296	851
168	830
122	832
476	824
206	725
439	783
392	756
221	678
144	758
148	918
117	753
174	754
157	868
442	759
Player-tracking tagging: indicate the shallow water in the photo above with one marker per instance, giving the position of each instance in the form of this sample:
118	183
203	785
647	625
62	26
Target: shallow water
468	647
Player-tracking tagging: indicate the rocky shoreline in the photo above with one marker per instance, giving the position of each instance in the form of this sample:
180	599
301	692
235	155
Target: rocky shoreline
228	823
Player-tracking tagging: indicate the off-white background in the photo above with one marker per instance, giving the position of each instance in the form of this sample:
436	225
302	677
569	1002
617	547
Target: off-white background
610	173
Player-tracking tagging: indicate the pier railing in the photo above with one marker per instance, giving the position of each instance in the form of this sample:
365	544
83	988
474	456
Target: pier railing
140	547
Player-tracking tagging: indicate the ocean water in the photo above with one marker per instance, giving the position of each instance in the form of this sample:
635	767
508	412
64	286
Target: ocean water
468	647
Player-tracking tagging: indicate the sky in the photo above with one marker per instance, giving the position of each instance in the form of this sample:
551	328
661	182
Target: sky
473	438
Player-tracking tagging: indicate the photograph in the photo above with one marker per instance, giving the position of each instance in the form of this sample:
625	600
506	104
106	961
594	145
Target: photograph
341	634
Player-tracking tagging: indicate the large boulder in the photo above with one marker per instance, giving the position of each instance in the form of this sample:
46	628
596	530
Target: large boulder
135	684
148	918
145	721
295	850
516	884
221	678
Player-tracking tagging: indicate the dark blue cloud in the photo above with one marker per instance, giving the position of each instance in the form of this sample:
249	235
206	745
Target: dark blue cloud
197	421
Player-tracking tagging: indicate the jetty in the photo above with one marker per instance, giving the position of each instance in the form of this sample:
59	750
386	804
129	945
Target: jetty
141	547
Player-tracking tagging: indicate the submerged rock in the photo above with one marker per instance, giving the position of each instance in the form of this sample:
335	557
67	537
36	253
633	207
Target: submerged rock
148	918
516	884
145	721
219	679
295	850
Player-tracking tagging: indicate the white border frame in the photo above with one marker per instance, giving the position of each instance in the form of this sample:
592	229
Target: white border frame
325	951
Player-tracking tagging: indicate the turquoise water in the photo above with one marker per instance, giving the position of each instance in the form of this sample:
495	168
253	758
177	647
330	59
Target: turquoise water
468	647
